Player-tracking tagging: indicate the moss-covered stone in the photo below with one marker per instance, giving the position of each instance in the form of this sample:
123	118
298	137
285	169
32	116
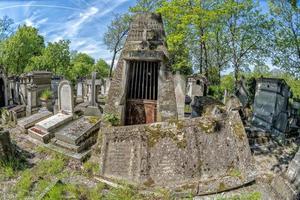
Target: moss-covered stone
208	126
155	134
93	119
238	129
222	187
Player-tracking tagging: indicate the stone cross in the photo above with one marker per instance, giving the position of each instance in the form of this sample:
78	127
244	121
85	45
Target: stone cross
93	90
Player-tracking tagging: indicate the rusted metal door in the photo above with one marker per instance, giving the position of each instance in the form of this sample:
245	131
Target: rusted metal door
140	112
141	104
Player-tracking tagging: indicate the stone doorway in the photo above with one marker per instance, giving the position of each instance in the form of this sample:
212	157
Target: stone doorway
142	90
2	93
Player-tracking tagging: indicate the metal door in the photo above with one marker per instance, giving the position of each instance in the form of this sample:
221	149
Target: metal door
141	104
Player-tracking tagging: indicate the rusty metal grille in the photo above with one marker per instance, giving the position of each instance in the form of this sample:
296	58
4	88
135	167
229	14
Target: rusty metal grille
143	79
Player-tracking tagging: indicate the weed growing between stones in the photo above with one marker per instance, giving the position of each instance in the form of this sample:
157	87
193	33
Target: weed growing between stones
90	168
10	167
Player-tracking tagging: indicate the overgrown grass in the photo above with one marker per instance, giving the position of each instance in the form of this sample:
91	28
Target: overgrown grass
72	191
35	180
90	168
125	193
9	168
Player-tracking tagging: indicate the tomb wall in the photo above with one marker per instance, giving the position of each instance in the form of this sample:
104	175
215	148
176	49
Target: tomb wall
179	152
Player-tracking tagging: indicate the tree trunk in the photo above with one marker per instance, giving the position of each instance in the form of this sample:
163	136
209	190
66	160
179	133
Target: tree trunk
112	64
206	61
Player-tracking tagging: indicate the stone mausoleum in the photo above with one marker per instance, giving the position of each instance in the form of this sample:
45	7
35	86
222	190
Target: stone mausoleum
206	154
142	89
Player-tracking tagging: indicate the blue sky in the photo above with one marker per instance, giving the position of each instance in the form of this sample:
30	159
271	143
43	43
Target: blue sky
83	22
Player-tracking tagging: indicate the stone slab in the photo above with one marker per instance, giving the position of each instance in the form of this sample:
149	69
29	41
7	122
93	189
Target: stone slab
30	121
78	130
54	122
40	135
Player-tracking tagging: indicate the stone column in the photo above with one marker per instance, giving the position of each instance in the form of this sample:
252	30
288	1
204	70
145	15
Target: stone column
31	98
92	101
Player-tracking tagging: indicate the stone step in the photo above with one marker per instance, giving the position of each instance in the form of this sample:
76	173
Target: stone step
76	148
68	146
77	156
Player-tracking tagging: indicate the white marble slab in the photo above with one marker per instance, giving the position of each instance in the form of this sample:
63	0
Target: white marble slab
54	121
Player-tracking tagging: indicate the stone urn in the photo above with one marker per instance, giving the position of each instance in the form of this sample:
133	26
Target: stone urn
46	99
46	103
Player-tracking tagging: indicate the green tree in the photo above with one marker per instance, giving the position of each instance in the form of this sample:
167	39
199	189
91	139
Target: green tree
115	36
20	48
285	43
81	65
55	57
146	6
102	68
247	29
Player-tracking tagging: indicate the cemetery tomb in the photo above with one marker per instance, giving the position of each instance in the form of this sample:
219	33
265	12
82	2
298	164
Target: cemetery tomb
270	108
44	129
201	153
75	138
196	86
30	121
32	84
142	89
154	148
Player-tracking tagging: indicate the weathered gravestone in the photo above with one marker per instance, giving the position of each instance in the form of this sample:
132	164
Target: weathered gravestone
142	89
6	148
44	129
93	109
79	91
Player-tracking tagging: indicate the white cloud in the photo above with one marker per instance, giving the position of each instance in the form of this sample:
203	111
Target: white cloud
75	25
28	22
